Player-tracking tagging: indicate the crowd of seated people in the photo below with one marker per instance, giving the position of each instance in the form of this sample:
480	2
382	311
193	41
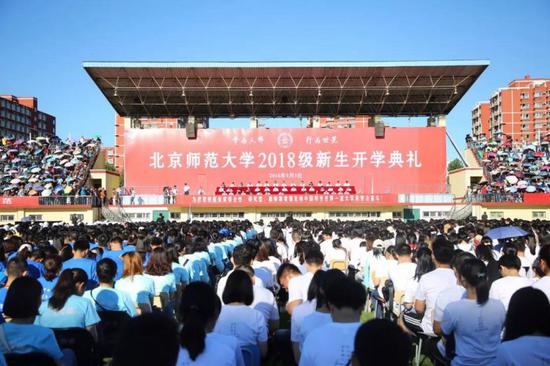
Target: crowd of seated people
512	167
212	293
45	166
275	188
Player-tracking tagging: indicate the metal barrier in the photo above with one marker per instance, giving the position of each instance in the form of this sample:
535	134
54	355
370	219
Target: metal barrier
69	201
495	197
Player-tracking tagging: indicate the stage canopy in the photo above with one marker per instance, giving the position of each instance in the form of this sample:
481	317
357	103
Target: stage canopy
284	89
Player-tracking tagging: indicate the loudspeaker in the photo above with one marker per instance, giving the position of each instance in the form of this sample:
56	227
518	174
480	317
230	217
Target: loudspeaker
431	122
379	130
191	131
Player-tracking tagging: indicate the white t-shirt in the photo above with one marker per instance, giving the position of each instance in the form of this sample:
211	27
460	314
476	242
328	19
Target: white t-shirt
265	303
526	350
223	281
429	287
544	285
378	268
356	253
402	274
477	329
244	323
298	315
410	291
330	344
265	269
312	322
213	354
335	255
325	246
503	288
298	286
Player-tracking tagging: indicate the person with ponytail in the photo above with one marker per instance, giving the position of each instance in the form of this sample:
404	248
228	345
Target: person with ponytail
199	311
476	321
52	267
66	308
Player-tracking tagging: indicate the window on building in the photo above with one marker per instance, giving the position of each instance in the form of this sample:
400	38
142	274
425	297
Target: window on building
36	217
77	217
524	95
537	94
525	116
494	215
396	215
175	215
538	114
8	218
539	214
524	106
538	105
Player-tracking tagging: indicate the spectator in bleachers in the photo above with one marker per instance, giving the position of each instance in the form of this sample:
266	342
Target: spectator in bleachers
45	166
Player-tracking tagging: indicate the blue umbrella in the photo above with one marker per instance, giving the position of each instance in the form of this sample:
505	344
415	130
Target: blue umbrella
505	232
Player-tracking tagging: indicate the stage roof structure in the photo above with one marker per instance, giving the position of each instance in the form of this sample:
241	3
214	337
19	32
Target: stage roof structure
284	89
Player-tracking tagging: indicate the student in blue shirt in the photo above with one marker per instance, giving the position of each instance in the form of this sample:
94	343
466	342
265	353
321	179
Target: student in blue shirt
160	271
476	321
66	308
17	267
52	267
115	253
80	260
526	330
140	288
22	336
105	297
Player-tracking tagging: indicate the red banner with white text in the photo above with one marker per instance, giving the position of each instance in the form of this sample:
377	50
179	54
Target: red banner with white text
405	160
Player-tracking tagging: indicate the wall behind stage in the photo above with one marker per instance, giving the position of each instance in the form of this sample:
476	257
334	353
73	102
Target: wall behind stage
406	160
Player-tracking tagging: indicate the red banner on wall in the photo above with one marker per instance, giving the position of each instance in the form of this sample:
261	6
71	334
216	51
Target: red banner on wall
406	160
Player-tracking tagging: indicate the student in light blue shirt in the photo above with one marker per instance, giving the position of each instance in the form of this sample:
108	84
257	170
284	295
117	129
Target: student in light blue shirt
475	321
66	308
105	297
80	260
52	267
22	336
115	253
160	271
17	267
526	330
140	288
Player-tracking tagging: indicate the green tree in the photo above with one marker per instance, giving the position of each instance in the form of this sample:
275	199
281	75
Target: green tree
454	165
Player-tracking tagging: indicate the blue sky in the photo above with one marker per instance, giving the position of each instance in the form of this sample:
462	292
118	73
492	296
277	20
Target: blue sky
45	42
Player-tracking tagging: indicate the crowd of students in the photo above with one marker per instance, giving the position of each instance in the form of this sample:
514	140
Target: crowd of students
45	166
217	293
512	167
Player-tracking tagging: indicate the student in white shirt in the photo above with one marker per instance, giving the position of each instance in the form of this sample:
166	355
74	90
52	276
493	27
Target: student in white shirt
242	255
404	271
264	301
326	242
199	311
332	343
336	253
503	288
298	286
544	283
21	335
148	339
321	315
237	318
370	348
432	283
475	321
526	338
262	263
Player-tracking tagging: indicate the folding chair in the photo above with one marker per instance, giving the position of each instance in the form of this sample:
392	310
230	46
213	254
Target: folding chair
251	355
29	359
80	341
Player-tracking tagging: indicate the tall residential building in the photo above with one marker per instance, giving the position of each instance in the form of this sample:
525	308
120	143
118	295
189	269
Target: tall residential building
122	124
21	119
521	110
480	120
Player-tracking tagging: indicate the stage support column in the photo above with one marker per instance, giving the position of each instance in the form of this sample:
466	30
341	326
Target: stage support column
253	122
441	120
374	120
316	122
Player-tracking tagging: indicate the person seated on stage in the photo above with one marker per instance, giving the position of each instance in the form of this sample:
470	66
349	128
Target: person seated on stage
346	184
275	186
319	184
330	189
266	184
232	184
337	184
